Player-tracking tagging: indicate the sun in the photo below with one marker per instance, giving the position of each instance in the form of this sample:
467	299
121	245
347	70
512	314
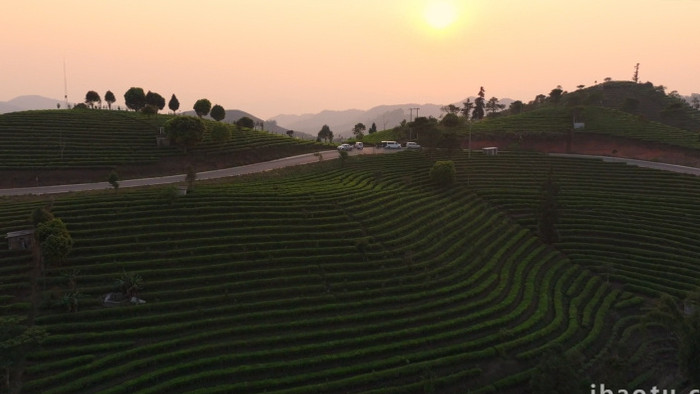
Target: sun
440	14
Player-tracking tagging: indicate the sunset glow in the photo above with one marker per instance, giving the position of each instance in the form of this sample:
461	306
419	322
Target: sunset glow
298	56
440	14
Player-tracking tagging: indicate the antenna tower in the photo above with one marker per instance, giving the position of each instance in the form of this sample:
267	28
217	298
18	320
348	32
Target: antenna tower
65	84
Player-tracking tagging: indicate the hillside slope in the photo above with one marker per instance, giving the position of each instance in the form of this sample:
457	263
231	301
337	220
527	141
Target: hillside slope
363	277
68	146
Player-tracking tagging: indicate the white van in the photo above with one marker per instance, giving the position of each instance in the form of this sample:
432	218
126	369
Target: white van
392	145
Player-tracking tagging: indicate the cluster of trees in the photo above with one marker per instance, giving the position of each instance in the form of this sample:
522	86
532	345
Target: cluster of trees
151	102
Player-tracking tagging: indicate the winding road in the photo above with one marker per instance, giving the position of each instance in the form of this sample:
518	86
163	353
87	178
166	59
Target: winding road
287	162
222	173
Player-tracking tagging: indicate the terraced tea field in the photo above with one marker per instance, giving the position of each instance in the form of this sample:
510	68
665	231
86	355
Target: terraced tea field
88	139
361	278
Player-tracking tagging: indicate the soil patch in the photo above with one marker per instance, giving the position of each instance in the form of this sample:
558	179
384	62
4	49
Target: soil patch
596	144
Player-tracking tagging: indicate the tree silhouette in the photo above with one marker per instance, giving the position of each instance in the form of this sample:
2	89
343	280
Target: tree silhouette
217	112
110	99
202	107
135	98
325	133
91	97
479	105
155	100
245	122
358	130
492	105
174	104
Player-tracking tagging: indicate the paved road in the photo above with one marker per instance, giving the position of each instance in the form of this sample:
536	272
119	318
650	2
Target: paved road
222	173
286	162
635	162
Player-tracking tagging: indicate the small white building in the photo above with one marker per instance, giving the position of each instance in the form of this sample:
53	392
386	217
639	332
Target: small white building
490	150
20	240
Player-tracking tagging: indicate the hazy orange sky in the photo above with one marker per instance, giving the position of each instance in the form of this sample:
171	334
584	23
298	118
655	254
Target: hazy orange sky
270	57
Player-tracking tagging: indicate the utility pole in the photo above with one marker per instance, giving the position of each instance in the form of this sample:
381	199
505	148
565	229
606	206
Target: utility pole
411	113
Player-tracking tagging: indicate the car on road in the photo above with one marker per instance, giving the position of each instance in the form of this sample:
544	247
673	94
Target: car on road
345	147
412	145
392	145
359	145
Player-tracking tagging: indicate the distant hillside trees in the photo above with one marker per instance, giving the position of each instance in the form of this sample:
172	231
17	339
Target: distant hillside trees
467	108
202	107
174	103
373	128
290	133
92	97
555	94
245	122
135	98
217	113
110	99
515	107
493	106
155	100
450	120
185	131
325	134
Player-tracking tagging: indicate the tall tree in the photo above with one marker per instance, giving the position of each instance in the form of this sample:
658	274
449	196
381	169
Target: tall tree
185	131
92	97
635	77
685	328
450	109
325	134
493	105
54	240
110	99
217	112
358	130
174	104
373	128
516	107
135	98
155	100
467	108
202	107
479	105
16	340
555	94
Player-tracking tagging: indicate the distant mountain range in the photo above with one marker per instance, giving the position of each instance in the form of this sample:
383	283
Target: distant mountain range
304	126
26	103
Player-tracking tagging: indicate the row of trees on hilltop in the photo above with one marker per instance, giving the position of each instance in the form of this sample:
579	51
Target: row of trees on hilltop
150	103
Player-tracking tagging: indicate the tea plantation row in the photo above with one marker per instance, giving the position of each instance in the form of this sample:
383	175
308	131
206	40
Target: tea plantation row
359	276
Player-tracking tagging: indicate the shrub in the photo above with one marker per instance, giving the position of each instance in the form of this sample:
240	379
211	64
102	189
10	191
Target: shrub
443	173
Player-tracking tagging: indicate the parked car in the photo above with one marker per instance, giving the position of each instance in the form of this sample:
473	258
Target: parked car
412	145
359	145
392	145
345	147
